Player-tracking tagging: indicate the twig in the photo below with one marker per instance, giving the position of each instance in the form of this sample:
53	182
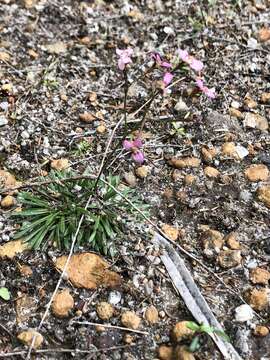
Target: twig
110	327
76	351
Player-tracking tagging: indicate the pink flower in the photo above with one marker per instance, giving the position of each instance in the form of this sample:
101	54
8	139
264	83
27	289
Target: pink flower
208	92
167	78
159	61
133	146
124	57
195	64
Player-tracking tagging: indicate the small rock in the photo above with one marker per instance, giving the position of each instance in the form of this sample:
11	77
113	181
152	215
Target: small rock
3	120
189	179
87	117
104	310
8	202
4	56
264	34
62	304
257	172
88	270
25	270
114	297
60	164
25	307
27	336
229	149
180	331
165	352
181	106
56	48
243	313
182	353
258	299
212	242
12	248
235	113
142	171
32	53
265	98
130	179
130	320
229	258
261	331
259	276
255	121
241	151
128	339
232	241
208	154
100	328
151	314
211	172
170	231
263	194
101	129
7	180
250	103
188	162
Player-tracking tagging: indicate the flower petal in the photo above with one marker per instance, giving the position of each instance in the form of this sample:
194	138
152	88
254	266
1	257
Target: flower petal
167	78
183	55
196	65
127	145
138	157
137	143
166	64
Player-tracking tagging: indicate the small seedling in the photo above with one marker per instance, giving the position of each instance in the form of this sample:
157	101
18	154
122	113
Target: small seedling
51	213
83	148
201	329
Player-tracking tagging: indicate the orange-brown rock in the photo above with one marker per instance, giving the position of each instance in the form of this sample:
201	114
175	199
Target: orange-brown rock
263	194
259	299
259	276
187	162
62	304
170	231
257	172
88	270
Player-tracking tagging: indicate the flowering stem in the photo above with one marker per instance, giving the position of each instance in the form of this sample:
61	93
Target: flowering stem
146	110
125	99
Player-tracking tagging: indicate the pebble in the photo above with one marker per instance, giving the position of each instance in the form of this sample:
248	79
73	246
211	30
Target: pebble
259	276
241	151
229	149
265	98
151	314
243	313
208	154
101	129
3	120
255	121
188	162
259	299
12	248
87	117
211	172
189	179
171	232
212	242
62	303
7	202
232	241
130	320
60	164
245	195
181	106
235	113
114	297
235	104
263	194
25	135
142	171
257	172
180	331
261	331
165	352
26	338
104	310
264	34
4	56
250	103
182	353
128	339
130	179
25	270
229	258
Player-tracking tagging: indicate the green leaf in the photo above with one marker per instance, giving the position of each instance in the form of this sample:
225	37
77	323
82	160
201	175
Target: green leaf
193	326
4	293
222	334
31	212
195	344
206	329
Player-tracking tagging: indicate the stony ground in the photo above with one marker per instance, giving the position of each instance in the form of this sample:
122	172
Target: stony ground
205	177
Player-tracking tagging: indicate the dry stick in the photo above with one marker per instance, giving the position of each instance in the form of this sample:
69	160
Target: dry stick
76	351
73	243
110	327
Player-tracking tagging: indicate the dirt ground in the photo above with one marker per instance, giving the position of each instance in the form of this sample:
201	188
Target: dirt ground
57	61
